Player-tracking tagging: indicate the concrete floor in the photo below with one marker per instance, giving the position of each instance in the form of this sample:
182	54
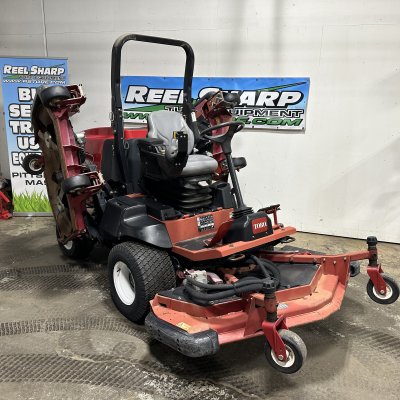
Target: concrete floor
61	336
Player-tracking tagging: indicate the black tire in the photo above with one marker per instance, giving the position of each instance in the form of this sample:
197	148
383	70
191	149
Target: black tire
295	349
75	183
150	270
52	94
77	248
29	164
392	291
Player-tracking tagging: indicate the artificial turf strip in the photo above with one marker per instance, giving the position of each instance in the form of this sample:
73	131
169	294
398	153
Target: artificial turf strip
31	202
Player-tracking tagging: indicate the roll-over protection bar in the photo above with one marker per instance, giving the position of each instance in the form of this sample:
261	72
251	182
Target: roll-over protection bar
116	101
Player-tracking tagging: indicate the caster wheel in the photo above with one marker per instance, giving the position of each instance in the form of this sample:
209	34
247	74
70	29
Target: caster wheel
75	183
296	353
31	164
392	291
78	248
53	94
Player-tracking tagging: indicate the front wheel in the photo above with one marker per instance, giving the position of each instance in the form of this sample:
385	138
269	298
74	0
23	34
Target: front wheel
136	273
296	353
392	291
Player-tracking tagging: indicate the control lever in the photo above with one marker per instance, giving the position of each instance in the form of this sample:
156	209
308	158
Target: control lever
225	140
182	139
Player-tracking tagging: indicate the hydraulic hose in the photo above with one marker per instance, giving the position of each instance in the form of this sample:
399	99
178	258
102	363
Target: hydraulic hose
223	286
205	298
268	268
211	292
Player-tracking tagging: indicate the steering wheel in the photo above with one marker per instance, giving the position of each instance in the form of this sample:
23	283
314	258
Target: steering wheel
234	127
225	138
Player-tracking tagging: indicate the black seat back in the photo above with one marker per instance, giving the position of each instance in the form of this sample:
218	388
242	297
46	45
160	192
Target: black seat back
110	168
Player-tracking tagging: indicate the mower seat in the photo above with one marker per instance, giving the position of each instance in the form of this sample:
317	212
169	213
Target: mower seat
162	125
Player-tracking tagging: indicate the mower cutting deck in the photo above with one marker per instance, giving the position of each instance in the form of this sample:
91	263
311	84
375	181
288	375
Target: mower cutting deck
188	256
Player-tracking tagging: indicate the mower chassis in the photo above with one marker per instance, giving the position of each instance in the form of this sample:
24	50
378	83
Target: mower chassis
192	329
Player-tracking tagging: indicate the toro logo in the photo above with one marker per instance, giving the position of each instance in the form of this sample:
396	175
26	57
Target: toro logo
259	225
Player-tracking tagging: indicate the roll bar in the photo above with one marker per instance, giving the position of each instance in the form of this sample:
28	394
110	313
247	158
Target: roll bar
116	101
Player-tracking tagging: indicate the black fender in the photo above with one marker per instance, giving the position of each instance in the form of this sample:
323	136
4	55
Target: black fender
127	218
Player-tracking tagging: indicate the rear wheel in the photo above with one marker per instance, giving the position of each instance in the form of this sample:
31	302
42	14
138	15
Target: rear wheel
137	272
296	353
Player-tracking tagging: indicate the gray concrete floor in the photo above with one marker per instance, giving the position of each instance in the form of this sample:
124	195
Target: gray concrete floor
61	337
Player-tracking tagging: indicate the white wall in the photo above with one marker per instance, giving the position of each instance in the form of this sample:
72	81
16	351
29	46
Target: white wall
343	176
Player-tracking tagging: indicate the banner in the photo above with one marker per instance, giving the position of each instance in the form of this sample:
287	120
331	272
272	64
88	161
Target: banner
265	103
20	77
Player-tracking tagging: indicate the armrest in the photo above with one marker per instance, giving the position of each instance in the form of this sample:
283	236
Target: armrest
150	141
151	145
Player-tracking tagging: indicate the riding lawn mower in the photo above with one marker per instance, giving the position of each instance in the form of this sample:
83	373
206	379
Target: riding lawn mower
188	257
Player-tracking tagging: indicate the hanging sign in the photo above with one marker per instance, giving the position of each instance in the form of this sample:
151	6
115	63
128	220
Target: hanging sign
19	78
265	103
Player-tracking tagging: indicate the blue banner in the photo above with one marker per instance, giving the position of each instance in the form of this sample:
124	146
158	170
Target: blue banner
20	77
265	103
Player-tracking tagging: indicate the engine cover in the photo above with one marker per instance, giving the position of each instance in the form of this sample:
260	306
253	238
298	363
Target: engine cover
249	227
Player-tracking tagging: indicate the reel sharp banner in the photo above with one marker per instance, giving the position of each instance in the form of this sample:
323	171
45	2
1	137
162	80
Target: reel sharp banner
20	77
265	103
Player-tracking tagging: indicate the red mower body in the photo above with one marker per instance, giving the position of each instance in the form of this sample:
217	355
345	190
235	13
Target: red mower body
95	138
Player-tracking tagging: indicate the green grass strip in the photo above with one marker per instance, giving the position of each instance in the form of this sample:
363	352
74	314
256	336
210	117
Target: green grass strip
31	202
